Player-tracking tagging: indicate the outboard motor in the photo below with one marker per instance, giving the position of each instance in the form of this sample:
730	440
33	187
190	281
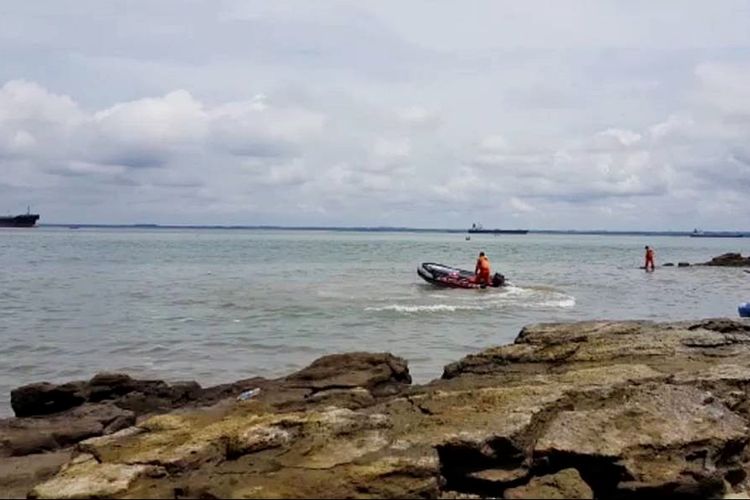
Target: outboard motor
498	280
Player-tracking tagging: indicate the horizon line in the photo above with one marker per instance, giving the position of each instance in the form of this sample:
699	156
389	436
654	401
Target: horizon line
381	228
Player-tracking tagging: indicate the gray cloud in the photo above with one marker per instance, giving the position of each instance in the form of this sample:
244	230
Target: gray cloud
538	114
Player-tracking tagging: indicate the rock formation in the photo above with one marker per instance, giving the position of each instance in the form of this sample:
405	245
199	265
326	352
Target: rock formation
594	409
729	260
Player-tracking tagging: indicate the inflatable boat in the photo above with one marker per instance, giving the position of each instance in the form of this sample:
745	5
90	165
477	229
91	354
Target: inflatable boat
441	275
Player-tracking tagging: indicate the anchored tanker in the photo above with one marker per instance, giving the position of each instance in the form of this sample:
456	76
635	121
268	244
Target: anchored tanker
478	229
25	220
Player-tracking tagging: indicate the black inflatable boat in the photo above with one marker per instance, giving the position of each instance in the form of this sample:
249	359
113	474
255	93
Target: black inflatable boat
438	274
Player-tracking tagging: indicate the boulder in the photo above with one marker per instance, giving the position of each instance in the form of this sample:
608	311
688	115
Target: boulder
44	398
24	436
379	373
729	260
565	484
683	264
140	396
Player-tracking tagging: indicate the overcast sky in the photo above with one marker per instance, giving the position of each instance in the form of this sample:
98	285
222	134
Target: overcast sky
535	114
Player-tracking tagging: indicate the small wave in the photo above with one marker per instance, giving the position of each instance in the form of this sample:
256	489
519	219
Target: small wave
563	303
507	298
424	308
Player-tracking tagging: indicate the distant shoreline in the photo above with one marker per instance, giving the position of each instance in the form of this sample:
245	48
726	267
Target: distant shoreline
358	229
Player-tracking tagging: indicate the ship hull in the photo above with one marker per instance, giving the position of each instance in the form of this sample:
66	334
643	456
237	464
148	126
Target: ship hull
27	220
498	231
717	235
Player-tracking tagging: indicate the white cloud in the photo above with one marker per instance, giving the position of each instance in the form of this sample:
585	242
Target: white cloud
617	137
144	133
519	205
360	113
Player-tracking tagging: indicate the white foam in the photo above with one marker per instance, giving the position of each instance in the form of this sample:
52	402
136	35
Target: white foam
562	303
424	308
508	298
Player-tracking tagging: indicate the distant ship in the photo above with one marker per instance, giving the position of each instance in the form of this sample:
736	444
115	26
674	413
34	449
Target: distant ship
478	229
715	234
25	220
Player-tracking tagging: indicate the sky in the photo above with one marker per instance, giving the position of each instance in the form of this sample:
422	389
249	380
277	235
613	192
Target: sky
536	114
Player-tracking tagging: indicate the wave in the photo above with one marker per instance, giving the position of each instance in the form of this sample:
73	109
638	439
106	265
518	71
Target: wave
508	298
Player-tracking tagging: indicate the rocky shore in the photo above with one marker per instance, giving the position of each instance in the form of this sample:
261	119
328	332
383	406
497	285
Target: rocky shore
725	260
577	410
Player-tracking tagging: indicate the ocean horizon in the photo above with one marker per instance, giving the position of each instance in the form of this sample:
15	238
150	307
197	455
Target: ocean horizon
615	232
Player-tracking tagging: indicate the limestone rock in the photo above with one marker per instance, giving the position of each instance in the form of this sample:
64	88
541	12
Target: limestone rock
90	479
654	416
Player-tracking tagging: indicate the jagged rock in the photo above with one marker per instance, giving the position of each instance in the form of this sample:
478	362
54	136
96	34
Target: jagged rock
729	260
141	396
565	484
34	435
379	373
352	377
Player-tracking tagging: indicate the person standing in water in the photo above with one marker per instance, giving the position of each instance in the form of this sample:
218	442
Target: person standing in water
649	259
482	269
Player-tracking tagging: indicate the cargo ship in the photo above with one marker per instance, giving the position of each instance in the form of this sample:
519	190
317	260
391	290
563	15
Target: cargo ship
697	233
24	220
478	229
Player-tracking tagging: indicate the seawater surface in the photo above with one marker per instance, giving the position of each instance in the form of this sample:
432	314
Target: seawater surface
220	305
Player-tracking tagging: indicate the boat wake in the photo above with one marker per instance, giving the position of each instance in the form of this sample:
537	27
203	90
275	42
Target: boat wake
508	298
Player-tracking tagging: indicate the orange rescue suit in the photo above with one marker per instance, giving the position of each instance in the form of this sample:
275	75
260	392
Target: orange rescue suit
483	269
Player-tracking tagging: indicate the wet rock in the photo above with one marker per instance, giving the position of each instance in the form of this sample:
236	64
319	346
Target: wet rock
565	484
34	435
683	264
729	260
44	398
669	264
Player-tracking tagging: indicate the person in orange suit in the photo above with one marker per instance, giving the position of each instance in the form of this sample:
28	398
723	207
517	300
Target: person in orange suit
649	259
482	269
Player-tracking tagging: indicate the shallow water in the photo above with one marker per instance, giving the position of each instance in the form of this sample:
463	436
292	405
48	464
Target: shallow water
221	305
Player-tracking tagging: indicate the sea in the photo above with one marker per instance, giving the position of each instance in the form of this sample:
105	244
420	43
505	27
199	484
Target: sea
219	305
